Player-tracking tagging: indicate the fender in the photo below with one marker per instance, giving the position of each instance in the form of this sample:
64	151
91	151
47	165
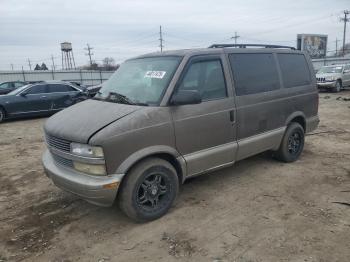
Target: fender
294	115
149	151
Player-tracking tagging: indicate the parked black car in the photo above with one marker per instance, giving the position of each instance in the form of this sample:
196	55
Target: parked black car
7	87
42	98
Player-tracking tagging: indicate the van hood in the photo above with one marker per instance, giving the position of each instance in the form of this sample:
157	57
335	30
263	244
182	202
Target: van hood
80	122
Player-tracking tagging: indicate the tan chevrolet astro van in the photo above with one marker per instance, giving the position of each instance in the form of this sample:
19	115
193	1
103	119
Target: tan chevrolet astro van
165	117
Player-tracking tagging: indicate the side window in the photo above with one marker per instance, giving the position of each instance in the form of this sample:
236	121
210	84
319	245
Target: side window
57	88
4	85
207	78
18	84
295	71
254	73
37	89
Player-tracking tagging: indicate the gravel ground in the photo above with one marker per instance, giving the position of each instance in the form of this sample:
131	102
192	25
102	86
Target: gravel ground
258	210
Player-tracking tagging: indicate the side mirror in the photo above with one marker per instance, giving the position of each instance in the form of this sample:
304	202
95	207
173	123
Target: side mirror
186	97
346	71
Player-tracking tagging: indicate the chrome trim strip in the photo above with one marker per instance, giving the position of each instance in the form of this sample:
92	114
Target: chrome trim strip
209	150
209	159
210	170
259	143
83	159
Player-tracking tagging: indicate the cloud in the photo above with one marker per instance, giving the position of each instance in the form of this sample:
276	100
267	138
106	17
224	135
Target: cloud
122	29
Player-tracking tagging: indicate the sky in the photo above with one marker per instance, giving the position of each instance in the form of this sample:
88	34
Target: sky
34	29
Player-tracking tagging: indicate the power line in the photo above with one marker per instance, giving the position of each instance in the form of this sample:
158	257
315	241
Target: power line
161	39
30	64
235	37
89	53
53	63
336	46
345	20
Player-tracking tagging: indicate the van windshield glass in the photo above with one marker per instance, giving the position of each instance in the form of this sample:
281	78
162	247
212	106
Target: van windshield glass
330	69
141	81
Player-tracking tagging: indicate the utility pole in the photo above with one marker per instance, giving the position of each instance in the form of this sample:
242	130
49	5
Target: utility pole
345	20
89	52
336	46
235	37
12	66
30	64
161	39
53	63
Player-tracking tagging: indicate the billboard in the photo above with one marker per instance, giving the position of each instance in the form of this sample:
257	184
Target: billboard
315	45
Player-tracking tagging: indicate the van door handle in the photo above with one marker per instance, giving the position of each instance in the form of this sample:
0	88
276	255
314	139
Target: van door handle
232	116
43	96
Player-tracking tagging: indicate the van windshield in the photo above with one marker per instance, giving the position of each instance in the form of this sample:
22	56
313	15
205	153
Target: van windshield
330	69
141	81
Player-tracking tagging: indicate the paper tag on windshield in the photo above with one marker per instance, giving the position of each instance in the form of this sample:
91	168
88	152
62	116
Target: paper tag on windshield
155	74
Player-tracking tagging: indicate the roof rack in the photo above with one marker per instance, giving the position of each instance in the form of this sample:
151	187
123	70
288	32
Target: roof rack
250	45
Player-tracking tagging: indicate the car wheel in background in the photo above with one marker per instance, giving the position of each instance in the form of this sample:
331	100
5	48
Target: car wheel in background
292	143
2	114
148	190
338	86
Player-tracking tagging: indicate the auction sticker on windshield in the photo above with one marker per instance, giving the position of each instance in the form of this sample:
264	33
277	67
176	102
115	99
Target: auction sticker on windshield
155	74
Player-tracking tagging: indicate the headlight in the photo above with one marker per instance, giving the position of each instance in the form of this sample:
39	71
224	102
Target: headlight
86	150
89	168
331	78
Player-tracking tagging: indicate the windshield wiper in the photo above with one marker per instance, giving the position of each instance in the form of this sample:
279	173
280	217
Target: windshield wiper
119	98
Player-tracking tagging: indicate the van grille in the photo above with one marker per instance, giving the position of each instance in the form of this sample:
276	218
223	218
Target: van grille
321	79
62	161
58	143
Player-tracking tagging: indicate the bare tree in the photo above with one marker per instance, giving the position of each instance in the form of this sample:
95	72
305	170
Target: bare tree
108	63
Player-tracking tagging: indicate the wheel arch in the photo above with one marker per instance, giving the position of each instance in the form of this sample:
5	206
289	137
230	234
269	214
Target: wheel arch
164	152
298	117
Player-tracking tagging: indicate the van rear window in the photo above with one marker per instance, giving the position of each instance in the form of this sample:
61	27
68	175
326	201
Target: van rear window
254	73
295	71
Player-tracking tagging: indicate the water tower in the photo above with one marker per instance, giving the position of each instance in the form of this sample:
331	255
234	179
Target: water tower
68	62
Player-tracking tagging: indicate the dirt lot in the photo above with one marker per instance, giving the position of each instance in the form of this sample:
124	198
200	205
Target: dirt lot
258	210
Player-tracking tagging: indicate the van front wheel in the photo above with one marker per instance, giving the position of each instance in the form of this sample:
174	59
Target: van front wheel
148	190
292	143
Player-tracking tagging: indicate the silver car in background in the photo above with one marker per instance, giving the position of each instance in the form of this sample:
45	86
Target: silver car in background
334	77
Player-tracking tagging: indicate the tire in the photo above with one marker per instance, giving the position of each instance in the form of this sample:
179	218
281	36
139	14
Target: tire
148	190
292	143
2	115
338	86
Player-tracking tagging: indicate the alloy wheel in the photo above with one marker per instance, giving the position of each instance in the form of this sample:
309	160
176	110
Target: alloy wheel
153	192
294	143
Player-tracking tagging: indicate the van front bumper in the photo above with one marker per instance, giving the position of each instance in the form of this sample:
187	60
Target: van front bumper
98	190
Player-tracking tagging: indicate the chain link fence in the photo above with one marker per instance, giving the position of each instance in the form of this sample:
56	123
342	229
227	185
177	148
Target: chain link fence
85	77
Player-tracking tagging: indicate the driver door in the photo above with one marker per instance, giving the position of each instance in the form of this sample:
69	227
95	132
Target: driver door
206	132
